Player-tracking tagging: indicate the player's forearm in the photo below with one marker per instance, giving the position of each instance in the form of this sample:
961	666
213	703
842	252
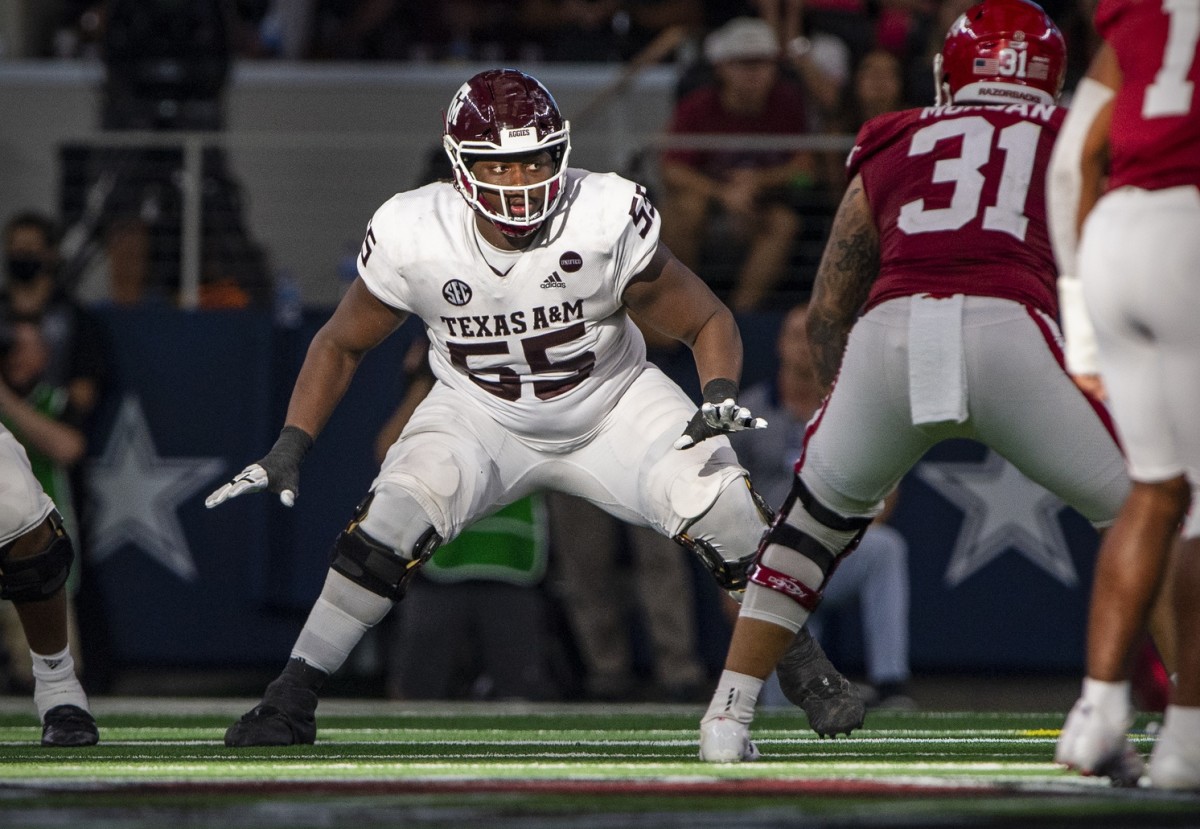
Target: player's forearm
323	380
717	348
848	268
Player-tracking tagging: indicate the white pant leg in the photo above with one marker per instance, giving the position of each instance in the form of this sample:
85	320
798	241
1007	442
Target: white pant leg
1138	261
23	504
1026	407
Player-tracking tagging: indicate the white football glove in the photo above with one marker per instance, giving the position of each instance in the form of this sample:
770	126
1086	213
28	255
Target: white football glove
278	471
251	479
719	414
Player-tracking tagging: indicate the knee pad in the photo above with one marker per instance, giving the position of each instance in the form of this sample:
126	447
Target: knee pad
39	576
734	523
803	546
376	566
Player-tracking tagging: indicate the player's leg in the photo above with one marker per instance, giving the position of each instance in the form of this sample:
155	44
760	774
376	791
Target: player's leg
1175	760
35	560
1143	233
429	488
863	443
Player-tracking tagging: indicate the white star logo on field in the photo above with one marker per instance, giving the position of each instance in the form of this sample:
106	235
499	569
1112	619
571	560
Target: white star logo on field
1002	509
135	494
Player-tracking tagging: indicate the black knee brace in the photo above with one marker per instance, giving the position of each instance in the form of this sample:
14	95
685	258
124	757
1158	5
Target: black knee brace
730	575
791	537
39	576
376	566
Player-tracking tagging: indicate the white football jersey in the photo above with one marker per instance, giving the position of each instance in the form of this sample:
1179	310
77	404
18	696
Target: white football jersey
539	338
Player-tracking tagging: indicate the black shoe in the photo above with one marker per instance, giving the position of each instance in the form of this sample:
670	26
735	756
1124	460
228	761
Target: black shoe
287	714
69	726
809	680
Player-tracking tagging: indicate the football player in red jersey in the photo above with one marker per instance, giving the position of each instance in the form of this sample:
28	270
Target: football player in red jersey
935	309
1136	120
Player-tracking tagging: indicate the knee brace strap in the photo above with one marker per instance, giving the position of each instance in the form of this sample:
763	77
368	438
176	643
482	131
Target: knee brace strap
730	575
819	511
39	576
785	535
377	567
790	586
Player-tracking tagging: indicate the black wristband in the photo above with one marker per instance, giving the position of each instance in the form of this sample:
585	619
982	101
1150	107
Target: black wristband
293	444
719	390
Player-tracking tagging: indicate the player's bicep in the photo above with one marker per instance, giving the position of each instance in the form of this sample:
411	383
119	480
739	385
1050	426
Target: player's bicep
361	321
670	298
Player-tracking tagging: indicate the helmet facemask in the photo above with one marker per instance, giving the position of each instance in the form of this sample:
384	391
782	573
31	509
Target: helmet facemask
506	114
539	198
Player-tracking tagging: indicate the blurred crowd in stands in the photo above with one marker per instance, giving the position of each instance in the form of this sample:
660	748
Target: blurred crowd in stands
752	222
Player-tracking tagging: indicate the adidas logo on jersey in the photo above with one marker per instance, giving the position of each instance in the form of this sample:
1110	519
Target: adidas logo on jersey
553	281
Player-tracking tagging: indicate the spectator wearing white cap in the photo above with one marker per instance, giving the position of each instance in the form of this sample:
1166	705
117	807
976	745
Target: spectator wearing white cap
751	191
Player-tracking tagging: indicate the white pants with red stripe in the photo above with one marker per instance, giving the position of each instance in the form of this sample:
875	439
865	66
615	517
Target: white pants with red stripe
1003	362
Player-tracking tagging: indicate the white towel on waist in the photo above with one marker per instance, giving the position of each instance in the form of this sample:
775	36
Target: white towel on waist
937	372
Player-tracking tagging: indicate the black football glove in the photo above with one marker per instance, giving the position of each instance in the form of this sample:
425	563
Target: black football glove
719	414
278	471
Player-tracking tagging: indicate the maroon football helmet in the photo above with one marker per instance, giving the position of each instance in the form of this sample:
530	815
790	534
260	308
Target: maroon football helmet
504	112
1001	52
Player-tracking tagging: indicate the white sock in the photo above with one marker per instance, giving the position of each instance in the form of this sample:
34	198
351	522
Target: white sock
55	682
1110	697
342	614
734	698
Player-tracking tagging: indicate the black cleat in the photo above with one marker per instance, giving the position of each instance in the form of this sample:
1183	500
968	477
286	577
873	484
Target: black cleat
287	714
266	725
69	726
809	680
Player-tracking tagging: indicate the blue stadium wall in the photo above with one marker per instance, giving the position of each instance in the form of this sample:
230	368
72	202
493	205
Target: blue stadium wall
1000	571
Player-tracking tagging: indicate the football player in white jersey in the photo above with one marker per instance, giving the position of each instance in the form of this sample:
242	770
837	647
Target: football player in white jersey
35	560
522	272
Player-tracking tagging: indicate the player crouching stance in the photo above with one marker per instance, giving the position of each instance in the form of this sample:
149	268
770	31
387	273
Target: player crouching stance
522	272
35	560
934	307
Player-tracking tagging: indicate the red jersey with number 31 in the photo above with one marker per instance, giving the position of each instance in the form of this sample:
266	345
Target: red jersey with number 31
958	196
1155	133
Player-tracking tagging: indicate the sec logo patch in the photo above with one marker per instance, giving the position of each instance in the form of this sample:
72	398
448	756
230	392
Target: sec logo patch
456	292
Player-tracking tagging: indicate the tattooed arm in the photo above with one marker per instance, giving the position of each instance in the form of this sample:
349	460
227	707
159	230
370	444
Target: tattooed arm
847	270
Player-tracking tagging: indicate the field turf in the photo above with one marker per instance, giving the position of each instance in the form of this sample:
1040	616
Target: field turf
162	763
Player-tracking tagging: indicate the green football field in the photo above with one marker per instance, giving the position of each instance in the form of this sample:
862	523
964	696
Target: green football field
161	763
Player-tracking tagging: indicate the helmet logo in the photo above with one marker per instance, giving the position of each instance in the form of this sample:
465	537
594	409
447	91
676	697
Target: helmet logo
456	105
456	292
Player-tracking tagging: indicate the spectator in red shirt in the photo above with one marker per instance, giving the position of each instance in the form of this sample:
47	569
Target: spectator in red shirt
753	190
